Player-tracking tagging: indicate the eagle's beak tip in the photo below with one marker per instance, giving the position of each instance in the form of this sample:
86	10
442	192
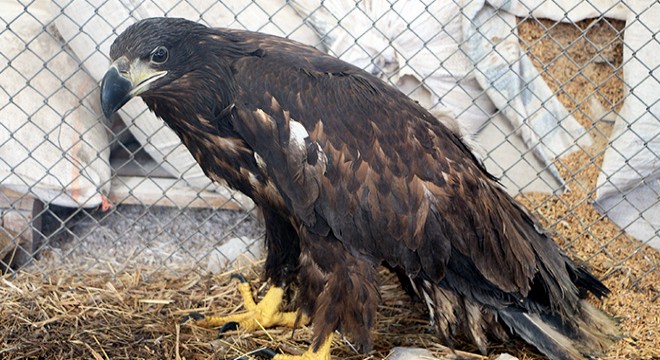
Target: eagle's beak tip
115	91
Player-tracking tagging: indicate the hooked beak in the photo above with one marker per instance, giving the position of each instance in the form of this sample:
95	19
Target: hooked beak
125	80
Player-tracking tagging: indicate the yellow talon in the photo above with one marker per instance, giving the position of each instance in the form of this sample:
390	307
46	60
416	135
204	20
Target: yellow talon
265	314
323	353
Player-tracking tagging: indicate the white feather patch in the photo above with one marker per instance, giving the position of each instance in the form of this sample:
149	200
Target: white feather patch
298	134
260	161
429	300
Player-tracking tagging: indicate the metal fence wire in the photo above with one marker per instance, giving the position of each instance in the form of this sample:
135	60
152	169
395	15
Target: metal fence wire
558	98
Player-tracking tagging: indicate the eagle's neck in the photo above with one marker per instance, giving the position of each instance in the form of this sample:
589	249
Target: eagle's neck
206	130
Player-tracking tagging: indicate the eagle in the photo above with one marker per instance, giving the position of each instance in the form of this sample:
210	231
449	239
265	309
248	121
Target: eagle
350	175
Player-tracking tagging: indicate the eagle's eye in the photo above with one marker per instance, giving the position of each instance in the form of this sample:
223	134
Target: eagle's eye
159	55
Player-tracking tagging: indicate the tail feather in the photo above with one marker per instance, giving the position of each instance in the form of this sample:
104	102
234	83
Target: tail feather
535	331
589	334
586	282
599	330
456	316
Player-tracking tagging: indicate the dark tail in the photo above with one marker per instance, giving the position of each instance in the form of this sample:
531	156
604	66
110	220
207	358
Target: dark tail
586	333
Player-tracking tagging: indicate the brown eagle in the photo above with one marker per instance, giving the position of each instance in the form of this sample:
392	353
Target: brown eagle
351	174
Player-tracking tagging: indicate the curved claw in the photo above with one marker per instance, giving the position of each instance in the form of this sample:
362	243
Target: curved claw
265	353
232	325
239	277
194	316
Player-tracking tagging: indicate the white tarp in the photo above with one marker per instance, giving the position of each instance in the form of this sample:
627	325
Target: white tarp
52	144
629	184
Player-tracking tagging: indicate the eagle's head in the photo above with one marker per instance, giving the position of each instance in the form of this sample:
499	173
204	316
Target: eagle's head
150	59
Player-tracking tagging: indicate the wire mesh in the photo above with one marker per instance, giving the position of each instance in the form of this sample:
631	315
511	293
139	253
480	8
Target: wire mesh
62	163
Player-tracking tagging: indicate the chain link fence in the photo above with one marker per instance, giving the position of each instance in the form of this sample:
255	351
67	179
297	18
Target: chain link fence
564	110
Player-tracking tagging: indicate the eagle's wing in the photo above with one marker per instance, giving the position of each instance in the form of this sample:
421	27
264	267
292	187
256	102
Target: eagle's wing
353	156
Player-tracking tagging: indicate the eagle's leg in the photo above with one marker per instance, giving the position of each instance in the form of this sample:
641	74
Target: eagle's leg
340	292
282	261
267	313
